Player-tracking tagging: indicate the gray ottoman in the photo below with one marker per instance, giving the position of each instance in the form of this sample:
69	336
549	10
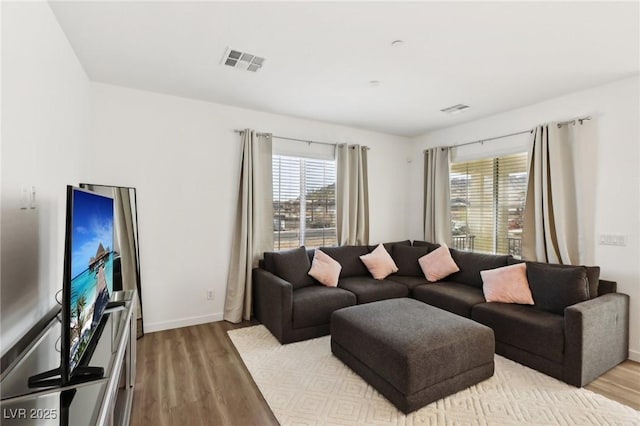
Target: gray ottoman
411	352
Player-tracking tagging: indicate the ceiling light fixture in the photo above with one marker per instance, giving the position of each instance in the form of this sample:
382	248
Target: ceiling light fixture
397	43
374	83
244	61
455	109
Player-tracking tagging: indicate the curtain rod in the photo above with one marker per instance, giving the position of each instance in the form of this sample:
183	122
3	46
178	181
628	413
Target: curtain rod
560	124
490	139
573	121
294	139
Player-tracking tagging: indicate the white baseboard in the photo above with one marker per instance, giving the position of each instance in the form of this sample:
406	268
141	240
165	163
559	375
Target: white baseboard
182	322
634	356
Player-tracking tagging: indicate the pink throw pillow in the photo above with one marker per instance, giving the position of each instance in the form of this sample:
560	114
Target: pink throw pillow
325	269
438	264
507	285
379	263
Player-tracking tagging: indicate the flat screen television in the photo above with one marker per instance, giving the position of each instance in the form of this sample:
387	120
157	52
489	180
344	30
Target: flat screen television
86	287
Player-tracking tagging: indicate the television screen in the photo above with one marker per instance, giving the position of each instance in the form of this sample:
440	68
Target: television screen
90	248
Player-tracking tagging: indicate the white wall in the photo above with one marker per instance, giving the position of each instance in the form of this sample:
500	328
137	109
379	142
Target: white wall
183	157
608	166
45	102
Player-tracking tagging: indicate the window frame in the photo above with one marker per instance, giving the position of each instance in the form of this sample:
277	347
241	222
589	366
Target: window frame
302	181
513	166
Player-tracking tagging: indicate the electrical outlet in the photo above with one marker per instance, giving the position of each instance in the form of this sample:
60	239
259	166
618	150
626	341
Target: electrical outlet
613	240
210	294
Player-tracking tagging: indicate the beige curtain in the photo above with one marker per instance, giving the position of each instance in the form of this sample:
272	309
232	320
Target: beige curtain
253	230
352	195
584	144
126	242
550	232
437	215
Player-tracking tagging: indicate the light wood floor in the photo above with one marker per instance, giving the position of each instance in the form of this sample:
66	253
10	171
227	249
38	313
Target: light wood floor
194	376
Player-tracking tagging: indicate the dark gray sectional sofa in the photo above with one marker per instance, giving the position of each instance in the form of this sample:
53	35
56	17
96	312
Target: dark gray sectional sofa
577	330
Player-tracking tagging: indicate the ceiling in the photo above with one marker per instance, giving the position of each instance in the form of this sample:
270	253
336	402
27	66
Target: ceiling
320	57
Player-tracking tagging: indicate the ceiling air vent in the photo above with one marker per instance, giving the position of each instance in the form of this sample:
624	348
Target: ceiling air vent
455	109
241	60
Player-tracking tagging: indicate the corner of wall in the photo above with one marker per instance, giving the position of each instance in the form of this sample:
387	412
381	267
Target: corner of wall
44	116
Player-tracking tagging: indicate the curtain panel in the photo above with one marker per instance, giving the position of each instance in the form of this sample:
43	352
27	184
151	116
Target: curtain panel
126	242
550	232
253	229
437	215
352	195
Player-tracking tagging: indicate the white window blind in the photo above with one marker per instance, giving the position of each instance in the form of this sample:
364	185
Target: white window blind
487	204
304	202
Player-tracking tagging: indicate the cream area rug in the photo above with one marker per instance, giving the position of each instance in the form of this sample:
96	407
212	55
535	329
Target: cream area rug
304	384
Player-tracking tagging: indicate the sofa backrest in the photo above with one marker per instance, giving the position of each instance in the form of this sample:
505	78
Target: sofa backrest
349	258
389	246
554	287
419	243
290	265
593	276
471	264
605	287
267	264
406	259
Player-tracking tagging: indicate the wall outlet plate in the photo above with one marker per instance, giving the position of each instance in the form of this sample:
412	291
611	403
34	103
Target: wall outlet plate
613	240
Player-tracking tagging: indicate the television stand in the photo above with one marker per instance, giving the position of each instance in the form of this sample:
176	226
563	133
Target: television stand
115	304
101	394
46	379
53	377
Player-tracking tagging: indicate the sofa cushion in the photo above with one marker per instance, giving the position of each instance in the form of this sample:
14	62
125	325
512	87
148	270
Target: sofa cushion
313	305
410	282
507	285
513	261
379	263
450	296
267	262
291	265
349	258
606	287
532	330
368	290
593	275
554	287
325	269
438	264
389	246
406	259
432	246
471	264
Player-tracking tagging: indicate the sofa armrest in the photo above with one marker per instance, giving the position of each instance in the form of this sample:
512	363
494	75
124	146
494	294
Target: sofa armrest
596	337
272	302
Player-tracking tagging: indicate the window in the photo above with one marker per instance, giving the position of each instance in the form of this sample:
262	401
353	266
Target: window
487	204
310	183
